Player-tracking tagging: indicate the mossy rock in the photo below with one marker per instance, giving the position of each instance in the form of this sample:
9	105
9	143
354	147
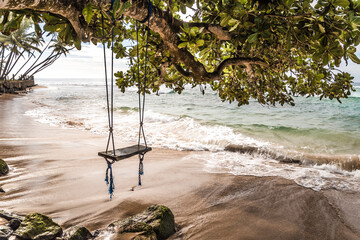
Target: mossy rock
4	169
144	231
157	218
77	233
161	219
38	227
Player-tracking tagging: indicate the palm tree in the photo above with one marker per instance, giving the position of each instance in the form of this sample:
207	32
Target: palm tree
58	49
16	44
23	43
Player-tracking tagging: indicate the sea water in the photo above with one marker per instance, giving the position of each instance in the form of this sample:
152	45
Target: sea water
323	136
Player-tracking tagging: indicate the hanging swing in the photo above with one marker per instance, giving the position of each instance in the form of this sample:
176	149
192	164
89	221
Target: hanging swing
114	155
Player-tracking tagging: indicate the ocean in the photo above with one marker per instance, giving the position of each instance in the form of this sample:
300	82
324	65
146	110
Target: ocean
320	138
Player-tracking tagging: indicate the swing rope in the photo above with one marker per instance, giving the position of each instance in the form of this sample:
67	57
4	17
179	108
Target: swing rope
142	107
110	106
109	179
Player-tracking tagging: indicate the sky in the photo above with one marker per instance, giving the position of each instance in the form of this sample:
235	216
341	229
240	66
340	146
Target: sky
88	63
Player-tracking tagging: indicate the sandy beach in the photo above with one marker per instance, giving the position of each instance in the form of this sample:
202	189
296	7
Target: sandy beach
57	172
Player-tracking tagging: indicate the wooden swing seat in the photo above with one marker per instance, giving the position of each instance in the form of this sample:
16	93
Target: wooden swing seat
123	153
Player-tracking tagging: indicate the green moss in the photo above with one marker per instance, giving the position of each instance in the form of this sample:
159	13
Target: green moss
156	222
145	236
135	226
81	234
4	169
162	221
37	226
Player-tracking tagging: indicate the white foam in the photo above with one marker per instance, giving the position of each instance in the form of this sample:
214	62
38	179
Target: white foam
178	133
315	177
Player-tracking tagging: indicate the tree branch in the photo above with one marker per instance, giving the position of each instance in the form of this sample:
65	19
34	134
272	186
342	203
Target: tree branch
247	62
182	71
71	10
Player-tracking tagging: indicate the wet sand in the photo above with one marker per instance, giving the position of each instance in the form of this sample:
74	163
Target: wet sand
57	172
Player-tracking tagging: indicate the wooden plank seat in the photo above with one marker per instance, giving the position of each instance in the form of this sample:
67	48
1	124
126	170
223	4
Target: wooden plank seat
123	153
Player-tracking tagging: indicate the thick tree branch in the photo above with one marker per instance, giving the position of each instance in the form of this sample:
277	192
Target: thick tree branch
71	10
182	71
247	62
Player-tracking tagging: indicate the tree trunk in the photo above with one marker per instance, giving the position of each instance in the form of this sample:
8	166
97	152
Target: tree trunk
40	64
31	55
2	58
16	60
3	76
37	59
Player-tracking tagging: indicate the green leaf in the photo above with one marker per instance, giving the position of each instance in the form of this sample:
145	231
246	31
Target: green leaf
183	8
342	3
88	13
354	58
253	37
199	42
186	27
77	44
322	29
351	49
300	60
235	26
182	45
124	6
116	5
225	20
38	30
233	21
194	30
319	76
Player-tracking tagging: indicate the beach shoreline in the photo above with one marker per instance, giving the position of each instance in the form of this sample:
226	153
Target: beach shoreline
57	172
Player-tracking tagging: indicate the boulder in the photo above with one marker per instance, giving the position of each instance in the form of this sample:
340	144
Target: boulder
156	219
5	232
134	230
14	224
2	190
4	169
38	227
160	218
77	233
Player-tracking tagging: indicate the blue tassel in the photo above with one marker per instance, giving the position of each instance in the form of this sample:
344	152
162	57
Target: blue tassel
110	179
141	167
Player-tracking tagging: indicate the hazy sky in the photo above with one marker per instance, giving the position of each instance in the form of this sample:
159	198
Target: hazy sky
88	63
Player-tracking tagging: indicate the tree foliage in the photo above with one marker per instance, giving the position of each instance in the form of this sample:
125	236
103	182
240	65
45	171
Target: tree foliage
270	50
